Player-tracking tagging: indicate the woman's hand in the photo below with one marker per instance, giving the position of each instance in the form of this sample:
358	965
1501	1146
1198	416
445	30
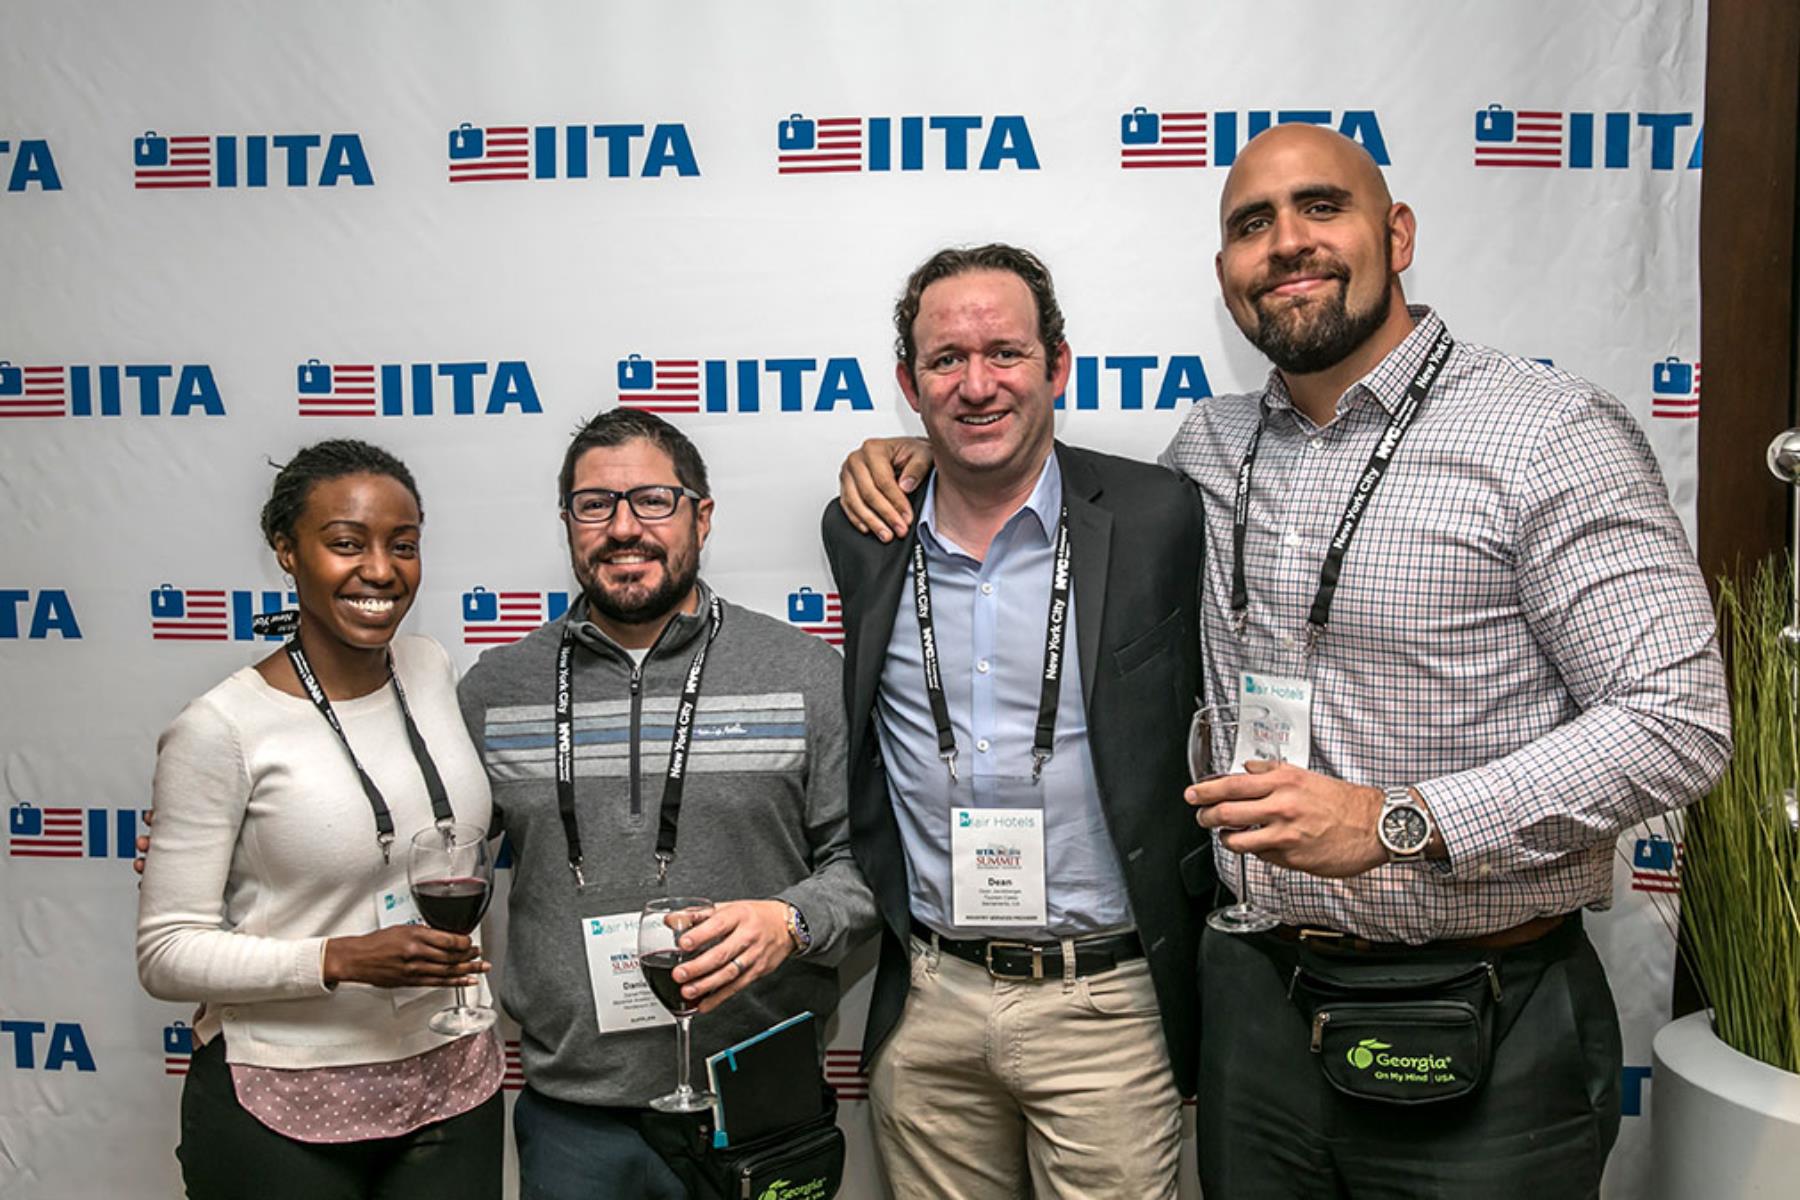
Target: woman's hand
404	956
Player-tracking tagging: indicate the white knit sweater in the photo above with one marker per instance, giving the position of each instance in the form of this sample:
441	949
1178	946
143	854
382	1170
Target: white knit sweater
264	847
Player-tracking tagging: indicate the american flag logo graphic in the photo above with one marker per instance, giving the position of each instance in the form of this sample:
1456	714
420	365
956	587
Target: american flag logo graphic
660	385
1170	139
336	389
33	391
1504	138
501	618
178	1048
171	162
818	613
43	832
1656	865
818	145
1675	390
188	615
489	152
514	1077
843	1071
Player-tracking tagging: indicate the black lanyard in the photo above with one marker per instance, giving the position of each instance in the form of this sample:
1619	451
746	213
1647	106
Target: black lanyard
1360	495
434	784
1043	739
679	745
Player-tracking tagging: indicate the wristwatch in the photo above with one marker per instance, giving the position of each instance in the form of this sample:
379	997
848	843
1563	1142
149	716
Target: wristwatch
798	930
1405	826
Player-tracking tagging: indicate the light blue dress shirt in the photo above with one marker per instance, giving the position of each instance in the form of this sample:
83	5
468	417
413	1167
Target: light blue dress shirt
989	616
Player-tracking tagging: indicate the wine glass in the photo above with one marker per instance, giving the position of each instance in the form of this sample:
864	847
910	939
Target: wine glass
452	875
1212	747
664	920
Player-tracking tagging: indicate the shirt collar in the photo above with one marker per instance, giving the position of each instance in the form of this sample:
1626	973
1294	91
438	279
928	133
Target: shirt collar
1045	503
1386	384
681	630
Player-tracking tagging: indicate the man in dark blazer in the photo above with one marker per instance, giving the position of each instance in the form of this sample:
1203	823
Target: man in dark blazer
1045	1035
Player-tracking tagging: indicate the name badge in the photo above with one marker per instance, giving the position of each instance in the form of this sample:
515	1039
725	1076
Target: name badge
997	866
622	997
396	907
1274	720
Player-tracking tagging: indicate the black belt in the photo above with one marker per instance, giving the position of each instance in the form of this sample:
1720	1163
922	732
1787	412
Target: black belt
1094	953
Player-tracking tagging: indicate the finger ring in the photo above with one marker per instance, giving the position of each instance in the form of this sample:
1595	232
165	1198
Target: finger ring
737	964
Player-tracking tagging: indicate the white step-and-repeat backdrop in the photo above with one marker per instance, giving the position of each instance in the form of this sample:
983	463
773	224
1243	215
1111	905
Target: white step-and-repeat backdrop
458	228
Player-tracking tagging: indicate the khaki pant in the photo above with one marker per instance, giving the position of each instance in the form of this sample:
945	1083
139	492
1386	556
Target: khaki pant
986	1084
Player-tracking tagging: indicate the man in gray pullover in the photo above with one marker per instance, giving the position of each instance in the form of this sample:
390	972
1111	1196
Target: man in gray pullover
750	803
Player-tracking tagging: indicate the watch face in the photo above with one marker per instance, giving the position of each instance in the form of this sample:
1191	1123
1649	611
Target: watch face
1404	829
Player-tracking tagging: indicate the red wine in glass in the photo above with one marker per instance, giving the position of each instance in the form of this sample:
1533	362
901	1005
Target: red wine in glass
659	972
664	921
451	874
454	905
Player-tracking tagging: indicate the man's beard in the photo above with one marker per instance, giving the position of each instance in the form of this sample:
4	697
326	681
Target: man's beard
636	604
1318	335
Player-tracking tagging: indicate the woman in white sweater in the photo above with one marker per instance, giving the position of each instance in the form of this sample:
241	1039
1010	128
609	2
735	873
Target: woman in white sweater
268	892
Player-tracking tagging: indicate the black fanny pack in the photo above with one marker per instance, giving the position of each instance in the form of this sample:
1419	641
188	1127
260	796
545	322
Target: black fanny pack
1414	1031
802	1162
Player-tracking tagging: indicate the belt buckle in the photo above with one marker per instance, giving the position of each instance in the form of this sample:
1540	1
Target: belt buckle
1037	959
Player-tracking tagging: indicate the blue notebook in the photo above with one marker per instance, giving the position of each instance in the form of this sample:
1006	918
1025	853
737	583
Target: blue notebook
766	1083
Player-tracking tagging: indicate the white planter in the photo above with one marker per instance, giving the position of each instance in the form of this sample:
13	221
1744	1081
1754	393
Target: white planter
1723	1125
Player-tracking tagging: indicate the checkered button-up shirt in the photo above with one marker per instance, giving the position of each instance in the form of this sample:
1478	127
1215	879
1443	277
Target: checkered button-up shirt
1520	630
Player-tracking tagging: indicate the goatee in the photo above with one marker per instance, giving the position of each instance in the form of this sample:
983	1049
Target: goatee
638	605
1319	336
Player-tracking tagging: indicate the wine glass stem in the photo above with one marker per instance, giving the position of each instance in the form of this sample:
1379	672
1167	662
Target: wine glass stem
1243	880
682	1086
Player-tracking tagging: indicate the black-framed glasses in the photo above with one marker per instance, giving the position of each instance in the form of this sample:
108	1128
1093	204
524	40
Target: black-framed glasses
652	502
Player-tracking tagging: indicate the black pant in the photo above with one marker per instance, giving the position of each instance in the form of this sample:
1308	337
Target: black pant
227	1154
1270	1126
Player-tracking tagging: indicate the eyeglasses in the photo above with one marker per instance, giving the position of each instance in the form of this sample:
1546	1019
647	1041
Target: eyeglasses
652	502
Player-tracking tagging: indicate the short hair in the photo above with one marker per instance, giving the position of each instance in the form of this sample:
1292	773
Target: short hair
996	256
318	463
617	426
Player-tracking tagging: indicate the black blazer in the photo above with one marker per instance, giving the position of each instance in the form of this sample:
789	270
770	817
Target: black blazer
1136	533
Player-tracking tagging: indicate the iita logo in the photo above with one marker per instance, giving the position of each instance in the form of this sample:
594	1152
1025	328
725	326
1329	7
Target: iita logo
1656	865
178	1048
1675	389
1134	382
214	614
718	385
256	160
37	615
57	832
475	388
33	165
501	618
487	153
1549	138
843	145
818	613
47	1045
1195	138
107	391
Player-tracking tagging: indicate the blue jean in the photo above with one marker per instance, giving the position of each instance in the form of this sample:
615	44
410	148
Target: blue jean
584	1152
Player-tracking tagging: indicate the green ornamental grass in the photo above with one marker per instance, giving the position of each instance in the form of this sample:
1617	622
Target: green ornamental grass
1740	861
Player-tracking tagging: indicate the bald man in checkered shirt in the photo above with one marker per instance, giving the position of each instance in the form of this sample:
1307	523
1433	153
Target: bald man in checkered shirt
1470	561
